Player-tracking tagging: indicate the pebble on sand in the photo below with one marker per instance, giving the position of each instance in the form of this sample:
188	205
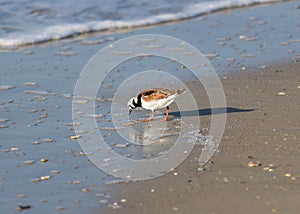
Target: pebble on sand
73	182
35	143
85	190
288	175
95	115
123	200
48	140
60	208
45	177
66	53
30	84
6	87
252	164
103	201
281	94
115	205
55	172
29	162
23	207
75	137
21	196
39	92
35	180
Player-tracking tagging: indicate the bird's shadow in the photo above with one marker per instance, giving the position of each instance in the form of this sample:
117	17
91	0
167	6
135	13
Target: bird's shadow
209	111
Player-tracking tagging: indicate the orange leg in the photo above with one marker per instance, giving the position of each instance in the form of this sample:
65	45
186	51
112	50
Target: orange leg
150	118
167	114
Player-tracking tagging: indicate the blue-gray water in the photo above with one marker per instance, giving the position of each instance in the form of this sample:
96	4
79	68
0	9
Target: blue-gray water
31	22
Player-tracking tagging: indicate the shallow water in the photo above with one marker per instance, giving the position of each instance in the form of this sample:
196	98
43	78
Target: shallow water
42	164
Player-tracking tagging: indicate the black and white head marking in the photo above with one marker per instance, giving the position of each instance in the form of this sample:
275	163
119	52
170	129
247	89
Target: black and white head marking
134	103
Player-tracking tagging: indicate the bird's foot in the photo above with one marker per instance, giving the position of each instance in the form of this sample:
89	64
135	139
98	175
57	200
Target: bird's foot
165	119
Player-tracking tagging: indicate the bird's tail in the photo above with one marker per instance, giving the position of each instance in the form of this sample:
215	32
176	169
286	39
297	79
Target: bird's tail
180	91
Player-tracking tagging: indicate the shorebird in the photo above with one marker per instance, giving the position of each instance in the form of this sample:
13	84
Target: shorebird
154	98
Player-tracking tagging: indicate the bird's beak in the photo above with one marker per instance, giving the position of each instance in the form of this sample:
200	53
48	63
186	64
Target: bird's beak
130	110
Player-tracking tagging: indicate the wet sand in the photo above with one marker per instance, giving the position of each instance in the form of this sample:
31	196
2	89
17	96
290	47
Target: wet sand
255	170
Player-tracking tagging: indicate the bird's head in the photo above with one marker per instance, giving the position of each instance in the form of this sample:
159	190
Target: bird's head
132	104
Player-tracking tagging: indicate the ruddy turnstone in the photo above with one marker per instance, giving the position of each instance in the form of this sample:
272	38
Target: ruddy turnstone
154	98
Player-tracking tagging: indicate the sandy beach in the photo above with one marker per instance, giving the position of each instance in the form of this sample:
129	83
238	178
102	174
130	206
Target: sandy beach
254	50
256	169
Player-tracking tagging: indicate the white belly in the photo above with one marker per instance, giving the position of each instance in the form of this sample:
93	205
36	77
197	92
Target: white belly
157	104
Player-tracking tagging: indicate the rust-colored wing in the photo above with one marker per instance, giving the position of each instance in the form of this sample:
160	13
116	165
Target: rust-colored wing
156	94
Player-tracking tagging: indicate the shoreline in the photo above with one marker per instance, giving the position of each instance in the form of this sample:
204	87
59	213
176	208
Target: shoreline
120	30
257	61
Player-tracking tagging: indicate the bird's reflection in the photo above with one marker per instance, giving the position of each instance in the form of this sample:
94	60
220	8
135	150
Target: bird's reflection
155	137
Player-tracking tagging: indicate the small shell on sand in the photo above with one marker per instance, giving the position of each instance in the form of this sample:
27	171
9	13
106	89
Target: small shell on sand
85	190
39	92
74	124
123	200
123	53
73	182
95	115
75	137
48	140
30	84
79	132
55	172
122	145
21	196
44	160
115	205
6	87
248	39
29	162
23	207
45	177
60	208
288	175
66	53
82	154
80	101
223	39
112	128
35	143
252	164
211	56
103	201
35	180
